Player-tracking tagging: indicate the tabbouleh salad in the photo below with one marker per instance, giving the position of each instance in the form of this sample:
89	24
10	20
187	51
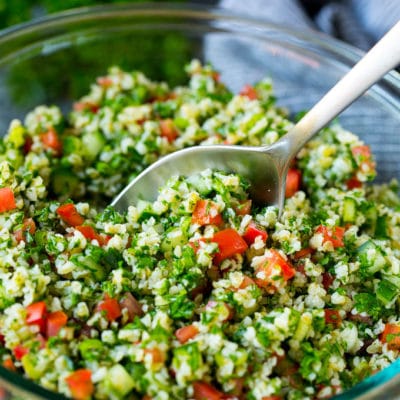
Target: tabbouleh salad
199	294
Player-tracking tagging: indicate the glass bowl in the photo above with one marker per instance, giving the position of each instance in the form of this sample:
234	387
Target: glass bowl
54	59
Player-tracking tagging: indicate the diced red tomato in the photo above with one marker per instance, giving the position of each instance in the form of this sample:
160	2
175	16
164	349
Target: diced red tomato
391	336
36	314
133	307
333	317
157	356
204	391
327	280
249	92
229	243
353	183
244	207
168	129
238	386
86	106
51	141
363	157
293	182
205	213
186	333
275	268
91	234
334	235
69	214
7	199
111	308
27	145
80	384
41	340
19	351
104	81
9	364
363	151
55	321
246	282
253	231
303	253
27	226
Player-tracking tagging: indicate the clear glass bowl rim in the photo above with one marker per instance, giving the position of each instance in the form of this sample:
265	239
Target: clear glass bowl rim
51	26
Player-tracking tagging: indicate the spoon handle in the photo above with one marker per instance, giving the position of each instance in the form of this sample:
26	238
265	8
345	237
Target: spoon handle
383	57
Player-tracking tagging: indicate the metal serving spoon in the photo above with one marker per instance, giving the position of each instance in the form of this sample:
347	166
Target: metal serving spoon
266	167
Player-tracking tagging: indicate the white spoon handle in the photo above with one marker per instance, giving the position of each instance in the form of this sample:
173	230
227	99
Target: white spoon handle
383	57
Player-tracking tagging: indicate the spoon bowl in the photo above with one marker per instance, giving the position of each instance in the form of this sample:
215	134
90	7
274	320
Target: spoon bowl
265	168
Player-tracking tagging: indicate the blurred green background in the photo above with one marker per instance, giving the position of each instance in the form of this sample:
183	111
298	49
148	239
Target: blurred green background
16	11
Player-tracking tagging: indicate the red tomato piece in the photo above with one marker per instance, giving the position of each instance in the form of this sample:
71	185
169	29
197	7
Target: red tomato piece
104	81
19	351
303	253
133	307
157	356
80	384
186	333
111	308
27	145
9	364
244	207
69	214
353	183
204	391
246	282
391	336
333	317
55	321
254	230
168	129
36	314
86	106
206	213
334	235
51	141
276	268
91	234
7	199
293	182
362	151
249	92
229	243
327	280
27	226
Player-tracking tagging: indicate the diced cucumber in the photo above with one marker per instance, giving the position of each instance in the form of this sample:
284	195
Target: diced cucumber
31	366
119	380
349	210
371	215
371	257
173	238
72	145
93	143
91	349
64	182
386	291
381	227
394	279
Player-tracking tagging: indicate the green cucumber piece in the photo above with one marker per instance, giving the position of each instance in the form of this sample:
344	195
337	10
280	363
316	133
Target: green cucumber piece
349	210
371	257
386	291
93	144
64	182
119	380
